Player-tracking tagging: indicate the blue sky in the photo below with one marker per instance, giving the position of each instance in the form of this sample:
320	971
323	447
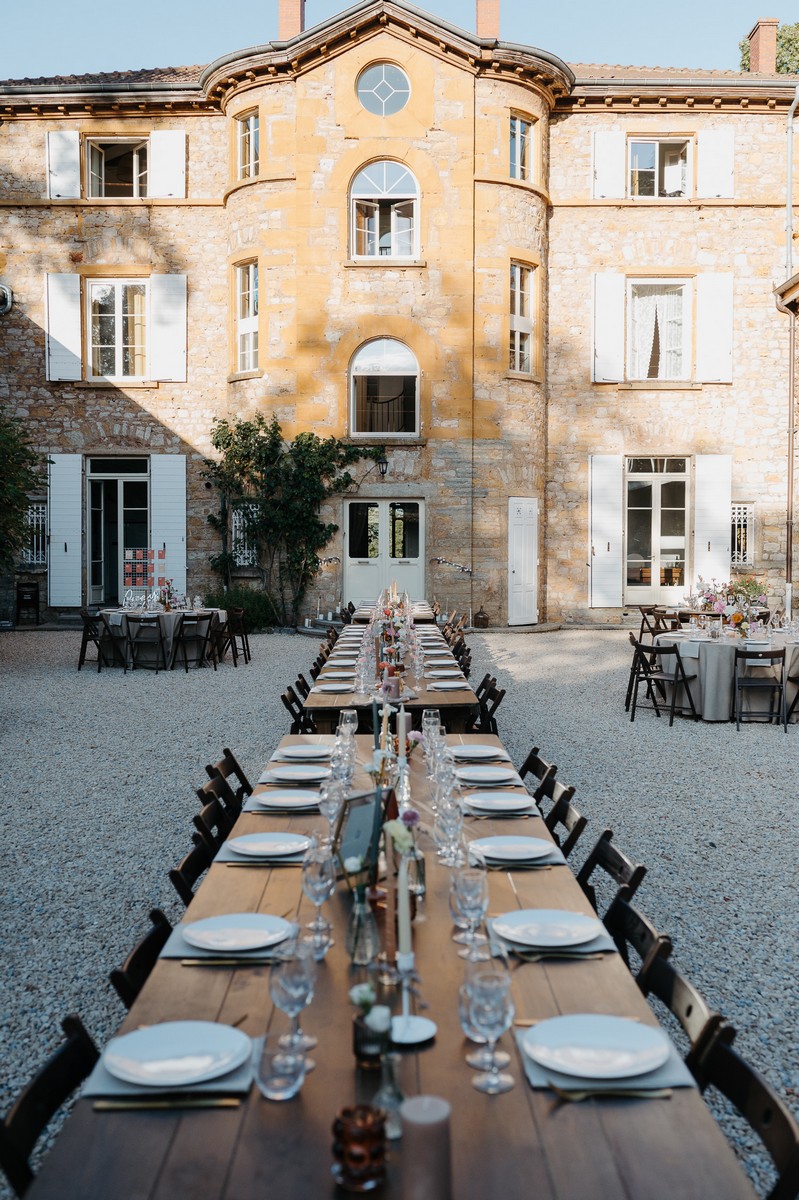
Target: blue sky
61	37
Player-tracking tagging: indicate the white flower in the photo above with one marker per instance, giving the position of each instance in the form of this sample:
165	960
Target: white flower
353	864
363	996
378	1018
400	835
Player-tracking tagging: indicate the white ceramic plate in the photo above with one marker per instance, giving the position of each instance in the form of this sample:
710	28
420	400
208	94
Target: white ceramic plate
596	1046
547	927
236	931
472	751
445	673
337	660
331	687
297	773
512	849
176	1053
449	685
486	774
275	801
269	845
439	660
304	753
499	802
337	675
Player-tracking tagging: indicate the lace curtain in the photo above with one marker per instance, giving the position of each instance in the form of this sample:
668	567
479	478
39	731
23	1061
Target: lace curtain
656	331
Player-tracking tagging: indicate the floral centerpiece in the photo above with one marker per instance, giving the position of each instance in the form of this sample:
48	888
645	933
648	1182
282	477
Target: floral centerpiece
411	742
371	1026
738	595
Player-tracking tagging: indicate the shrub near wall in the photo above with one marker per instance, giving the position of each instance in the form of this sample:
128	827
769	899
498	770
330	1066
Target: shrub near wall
259	610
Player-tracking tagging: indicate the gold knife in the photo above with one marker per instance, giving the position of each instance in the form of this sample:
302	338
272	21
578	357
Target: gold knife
158	1105
227	962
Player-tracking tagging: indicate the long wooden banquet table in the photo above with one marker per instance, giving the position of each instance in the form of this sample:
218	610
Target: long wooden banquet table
525	1143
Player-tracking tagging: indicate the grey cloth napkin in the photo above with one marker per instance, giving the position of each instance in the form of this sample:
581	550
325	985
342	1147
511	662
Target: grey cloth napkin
673	1073
237	1083
178	947
553	859
226	855
603	943
250	806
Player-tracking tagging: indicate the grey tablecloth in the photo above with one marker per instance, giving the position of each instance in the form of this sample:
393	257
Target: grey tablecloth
713	662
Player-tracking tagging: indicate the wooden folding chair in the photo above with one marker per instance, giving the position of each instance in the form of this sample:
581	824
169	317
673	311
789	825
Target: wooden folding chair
129	979
562	820
191	867
231	770
658	678
631	930
213	824
543	772
618	866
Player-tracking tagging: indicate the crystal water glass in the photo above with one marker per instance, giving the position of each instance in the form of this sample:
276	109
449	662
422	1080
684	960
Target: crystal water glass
319	884
471	890
291	987
281	1071
491	1013
331	801
482	1059
447	831
347	723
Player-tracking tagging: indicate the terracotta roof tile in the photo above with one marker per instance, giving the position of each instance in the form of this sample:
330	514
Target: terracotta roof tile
154	75
621	71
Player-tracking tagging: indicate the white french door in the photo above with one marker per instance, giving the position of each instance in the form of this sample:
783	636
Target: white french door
383	543
657	502
118	508
522	561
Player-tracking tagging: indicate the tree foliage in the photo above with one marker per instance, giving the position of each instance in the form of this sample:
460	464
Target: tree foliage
787	50
279	488
21	474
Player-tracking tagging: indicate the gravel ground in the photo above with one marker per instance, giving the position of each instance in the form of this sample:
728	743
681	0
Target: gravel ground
100	788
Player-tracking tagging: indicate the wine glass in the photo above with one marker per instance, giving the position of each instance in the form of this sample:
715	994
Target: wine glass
331	801
482	1059
491	1013
447	830
471	890
318	884
291	985
347	723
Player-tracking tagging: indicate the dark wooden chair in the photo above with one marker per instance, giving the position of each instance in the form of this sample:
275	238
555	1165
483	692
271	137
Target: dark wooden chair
40	1100
213	824
301	722
232	771
698	1021
618	866
485	721
221	641
218	788
345	616
114	645
657	678
146	642
302	686
753	671
466	664
239	637
631	930
191	640
331	636
129	979
192	866
92	636
649	621
542	772
485	683
351	606
633	666
762	1108
562	819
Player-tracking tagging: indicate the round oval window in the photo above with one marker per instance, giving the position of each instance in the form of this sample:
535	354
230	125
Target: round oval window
383	89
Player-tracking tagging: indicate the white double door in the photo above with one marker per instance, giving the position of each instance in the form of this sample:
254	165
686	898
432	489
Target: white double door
384	543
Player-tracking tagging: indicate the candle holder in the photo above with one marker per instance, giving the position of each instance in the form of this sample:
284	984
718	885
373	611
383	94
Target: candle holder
407	1029
359	1148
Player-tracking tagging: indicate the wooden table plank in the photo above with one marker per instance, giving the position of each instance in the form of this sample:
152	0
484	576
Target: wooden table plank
525	1143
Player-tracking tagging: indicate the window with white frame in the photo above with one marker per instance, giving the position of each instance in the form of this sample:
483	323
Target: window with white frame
521	148
743	535
117	167
34	552
383	89
659	167
521	317
117	327
384	377
658	329
247	145
243	547
247	317
384	200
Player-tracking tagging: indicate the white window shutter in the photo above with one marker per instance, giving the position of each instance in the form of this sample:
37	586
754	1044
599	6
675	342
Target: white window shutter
712	516
167	167
168	328
65	508
610	165
63	164
714	327
715	163
63	325
606	530
608	348
168	514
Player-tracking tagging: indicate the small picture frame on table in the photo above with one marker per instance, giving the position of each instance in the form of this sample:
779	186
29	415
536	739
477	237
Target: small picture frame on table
358	830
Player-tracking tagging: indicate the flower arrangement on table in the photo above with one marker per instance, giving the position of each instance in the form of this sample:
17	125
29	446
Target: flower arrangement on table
736	597
411	742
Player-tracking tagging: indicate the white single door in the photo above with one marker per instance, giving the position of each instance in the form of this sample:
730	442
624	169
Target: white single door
522	561
65	509
383	544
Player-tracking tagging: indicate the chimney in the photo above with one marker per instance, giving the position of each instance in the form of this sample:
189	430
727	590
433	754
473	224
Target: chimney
763	46
488	19
290	19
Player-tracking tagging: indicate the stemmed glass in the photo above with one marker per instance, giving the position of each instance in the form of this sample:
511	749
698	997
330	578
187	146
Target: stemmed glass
331	800
291	985
491	1013
318	884
347	723
447	831
482	1059
471	892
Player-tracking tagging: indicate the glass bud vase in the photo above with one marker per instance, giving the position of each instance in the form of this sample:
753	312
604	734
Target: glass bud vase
417	885
389	1096
362	939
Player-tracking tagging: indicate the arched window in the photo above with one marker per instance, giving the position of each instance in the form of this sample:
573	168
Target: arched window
384	202
384	389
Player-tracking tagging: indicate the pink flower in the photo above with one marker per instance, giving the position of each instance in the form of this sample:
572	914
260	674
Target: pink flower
410	818
414	736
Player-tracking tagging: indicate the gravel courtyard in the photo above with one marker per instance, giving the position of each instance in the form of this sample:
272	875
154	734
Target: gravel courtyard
100	794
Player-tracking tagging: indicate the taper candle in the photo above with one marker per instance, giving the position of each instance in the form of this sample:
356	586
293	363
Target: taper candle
426	1154
404	944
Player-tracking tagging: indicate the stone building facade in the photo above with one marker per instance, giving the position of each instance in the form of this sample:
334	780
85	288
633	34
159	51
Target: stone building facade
546	289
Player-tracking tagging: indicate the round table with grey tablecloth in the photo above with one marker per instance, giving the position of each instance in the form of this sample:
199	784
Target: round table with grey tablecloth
168	622
713	662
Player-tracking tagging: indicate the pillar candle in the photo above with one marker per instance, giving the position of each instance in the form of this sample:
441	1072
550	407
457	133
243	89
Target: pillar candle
401	734
375	726
426	1155
404	945
384	730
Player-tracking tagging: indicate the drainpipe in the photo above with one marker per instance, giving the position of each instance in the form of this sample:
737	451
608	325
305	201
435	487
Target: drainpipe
791	312
789	190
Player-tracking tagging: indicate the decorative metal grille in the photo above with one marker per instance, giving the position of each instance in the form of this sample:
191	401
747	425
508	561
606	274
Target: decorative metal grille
35	553
743	535
245	553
